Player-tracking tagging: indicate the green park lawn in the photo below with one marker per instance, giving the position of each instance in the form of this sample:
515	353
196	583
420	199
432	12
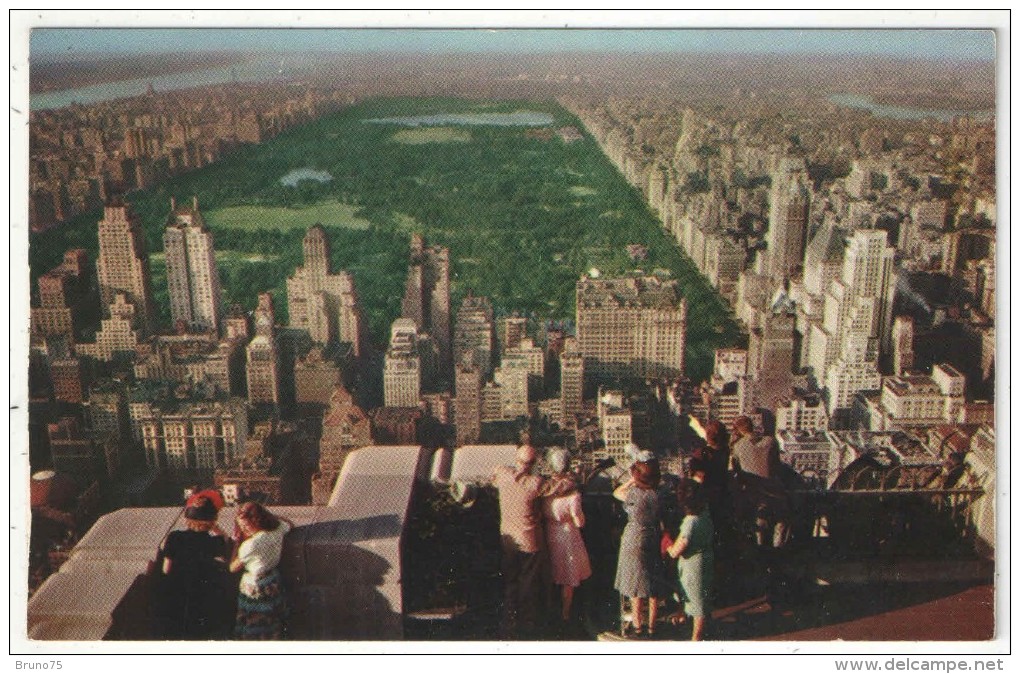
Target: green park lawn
524	215
431	134
326	212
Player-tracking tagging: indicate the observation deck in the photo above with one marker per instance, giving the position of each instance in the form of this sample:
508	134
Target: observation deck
398	555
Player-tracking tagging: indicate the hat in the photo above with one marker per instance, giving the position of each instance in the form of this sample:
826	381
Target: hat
203	506
558	459
646	474
637	454
526	455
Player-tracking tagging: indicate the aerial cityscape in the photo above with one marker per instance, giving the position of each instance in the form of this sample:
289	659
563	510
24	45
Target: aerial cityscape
354	288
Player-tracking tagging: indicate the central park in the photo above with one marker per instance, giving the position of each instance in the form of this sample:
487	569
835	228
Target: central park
524	210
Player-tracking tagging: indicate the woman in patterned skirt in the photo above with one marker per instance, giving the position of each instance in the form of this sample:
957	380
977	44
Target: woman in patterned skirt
261	604
640	574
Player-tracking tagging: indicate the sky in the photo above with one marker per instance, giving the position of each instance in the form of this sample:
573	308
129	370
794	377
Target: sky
55	44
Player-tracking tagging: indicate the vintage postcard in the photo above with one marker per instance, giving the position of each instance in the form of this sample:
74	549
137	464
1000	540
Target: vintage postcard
510	332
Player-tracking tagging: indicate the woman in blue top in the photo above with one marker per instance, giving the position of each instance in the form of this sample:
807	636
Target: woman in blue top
695	556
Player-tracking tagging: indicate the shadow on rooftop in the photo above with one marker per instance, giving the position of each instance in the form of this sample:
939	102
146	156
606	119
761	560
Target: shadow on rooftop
941	611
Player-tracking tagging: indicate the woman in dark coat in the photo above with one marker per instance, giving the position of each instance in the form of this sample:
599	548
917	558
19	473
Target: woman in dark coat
195	602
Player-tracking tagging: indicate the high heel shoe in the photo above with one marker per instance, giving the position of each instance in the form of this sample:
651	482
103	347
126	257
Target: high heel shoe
632	631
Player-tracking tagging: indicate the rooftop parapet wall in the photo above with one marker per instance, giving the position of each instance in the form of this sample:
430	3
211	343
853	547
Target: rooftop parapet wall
341	563
476	463
346	566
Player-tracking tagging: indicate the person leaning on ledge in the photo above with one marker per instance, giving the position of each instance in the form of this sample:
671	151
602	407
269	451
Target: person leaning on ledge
193	599
522	539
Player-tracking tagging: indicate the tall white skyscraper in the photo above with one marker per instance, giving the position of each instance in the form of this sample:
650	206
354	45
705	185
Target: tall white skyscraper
402	366
263	359
324	303
857	318
123	264
196	298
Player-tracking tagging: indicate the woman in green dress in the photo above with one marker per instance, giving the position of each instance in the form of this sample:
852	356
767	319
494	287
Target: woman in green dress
695	556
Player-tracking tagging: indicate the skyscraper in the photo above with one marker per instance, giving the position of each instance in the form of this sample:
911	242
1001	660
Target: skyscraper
534	355
903	345
856	320
571	382
262	355
633	326
515	328
123	263
345	427
62	293
473	333
823	261
116	339
427	295
468	403
789	201
402	367
193	279
770	353
324	303
512	378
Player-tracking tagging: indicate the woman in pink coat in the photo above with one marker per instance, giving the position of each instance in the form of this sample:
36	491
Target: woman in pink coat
564	519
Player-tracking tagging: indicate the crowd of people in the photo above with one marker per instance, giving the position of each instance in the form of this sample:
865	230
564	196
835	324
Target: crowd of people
678	530
198	568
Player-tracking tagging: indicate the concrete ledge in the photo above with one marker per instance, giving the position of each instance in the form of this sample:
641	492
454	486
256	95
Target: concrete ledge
85	597
345	567
76	628
476	463
341	563
129	534
80	600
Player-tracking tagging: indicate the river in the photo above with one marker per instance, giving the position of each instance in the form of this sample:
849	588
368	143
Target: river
257	70
861	102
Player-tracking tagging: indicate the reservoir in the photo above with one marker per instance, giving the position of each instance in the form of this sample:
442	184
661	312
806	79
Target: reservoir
860	102
520	118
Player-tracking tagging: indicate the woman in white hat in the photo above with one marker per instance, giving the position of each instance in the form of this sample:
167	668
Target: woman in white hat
564	520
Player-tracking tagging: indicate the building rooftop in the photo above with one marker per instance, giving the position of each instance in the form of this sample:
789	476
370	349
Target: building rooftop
803	436
643	292
361	567
185	216
916	384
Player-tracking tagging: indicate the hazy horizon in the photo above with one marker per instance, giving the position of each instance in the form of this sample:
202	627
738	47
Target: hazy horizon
67	44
